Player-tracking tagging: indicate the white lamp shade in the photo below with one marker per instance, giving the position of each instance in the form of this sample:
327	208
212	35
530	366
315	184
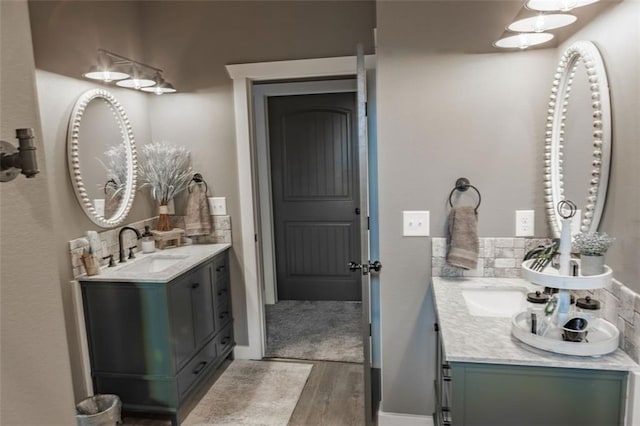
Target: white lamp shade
136	83
554	5
523	40
105	75
542	23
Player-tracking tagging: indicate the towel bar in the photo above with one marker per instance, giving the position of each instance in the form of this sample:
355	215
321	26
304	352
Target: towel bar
462	185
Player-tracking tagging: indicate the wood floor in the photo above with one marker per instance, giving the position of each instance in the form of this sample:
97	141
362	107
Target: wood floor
332	396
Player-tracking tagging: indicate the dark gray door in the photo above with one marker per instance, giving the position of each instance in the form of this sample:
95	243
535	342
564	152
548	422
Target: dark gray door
315	192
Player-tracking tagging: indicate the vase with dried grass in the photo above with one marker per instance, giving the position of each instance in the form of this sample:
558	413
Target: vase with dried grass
166	169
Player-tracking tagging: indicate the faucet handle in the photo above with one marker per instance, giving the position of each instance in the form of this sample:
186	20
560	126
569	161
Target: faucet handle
112	262
131	254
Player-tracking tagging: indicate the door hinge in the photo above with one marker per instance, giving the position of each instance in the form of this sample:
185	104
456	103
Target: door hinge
255	237
370	332
368	222
366	109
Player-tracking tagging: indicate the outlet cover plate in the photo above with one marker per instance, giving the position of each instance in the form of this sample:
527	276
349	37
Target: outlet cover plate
218	206
525	223
415	223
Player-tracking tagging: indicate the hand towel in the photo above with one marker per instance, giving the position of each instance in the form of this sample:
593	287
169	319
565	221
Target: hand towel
197	221
463	238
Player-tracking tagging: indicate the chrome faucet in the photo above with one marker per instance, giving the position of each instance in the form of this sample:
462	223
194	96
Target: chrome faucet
138	236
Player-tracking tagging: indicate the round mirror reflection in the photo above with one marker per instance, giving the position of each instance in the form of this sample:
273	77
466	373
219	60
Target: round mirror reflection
102	157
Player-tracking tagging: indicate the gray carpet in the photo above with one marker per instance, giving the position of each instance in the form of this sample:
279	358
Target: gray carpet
317	330
256	393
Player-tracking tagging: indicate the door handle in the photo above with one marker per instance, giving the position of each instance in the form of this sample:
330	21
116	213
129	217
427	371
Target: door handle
366	268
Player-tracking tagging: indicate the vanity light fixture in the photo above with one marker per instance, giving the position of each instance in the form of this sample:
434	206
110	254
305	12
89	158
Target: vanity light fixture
128	73
523	40
542	22
555	5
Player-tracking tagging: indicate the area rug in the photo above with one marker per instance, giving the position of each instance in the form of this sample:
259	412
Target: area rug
315	330
255	393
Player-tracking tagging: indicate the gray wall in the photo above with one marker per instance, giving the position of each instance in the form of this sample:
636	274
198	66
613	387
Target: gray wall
57	95
482	116
192	42
36	379
442	116
617	35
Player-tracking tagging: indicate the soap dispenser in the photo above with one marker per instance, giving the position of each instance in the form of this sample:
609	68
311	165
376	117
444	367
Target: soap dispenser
148	243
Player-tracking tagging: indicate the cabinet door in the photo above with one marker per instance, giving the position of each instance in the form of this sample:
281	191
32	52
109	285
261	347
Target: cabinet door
183	320
202	302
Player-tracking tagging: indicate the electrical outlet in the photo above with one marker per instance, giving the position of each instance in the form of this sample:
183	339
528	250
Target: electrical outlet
415	223
525	225
218	206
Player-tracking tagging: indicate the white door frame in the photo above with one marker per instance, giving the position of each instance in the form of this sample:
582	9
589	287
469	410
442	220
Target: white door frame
243	75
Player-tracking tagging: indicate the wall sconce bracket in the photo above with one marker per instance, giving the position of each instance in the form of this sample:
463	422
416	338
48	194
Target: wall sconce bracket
14	161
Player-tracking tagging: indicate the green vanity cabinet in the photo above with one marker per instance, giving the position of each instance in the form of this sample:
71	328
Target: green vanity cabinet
481	394
154	344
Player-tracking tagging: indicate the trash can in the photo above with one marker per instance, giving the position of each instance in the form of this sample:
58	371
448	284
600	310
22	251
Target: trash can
99	410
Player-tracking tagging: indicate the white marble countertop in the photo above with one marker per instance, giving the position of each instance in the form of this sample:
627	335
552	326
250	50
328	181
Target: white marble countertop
195	254
468	338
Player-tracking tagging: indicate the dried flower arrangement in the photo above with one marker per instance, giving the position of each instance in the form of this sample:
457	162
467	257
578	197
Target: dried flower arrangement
116	167
166	168
592	243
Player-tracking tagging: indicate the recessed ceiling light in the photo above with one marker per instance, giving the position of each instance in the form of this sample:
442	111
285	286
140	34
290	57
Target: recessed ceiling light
523	40
542	23
553	5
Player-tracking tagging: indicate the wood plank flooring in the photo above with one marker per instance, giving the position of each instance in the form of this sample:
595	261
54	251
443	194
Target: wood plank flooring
332	396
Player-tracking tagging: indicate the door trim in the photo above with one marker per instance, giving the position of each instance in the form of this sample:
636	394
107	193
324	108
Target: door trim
243	75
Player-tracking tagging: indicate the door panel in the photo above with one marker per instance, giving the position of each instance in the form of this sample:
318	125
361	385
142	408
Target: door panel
314	172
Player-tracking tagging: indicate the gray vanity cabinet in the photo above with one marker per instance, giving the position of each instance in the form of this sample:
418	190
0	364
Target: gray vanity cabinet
480	394
154	344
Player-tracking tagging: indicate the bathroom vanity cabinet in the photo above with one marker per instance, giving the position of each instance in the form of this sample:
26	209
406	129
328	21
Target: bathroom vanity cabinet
469	394
485	376
154	343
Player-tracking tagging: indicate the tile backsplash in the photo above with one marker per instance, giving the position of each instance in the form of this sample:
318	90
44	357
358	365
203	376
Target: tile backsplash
501	257
220	233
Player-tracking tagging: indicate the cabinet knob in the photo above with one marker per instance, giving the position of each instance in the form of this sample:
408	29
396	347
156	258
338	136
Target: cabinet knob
221	292
224	314
225	340
195	285
220	268
200	367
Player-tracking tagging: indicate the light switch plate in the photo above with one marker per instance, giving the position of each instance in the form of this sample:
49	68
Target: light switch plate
525	223
415	223
218	206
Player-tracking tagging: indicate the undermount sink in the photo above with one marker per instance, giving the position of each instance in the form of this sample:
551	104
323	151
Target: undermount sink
154	263
501	302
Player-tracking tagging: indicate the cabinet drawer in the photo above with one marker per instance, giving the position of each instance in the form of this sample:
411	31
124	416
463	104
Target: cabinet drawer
196	367
221	292
221	267
223	314
225	339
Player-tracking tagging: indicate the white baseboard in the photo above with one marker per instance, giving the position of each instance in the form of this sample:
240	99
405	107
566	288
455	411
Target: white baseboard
398	419
245	352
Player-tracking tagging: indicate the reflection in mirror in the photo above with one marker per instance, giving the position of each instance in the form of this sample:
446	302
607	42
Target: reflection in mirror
578	137
102	158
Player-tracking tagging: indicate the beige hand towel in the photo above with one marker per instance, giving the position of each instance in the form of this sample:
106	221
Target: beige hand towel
463	238
197	221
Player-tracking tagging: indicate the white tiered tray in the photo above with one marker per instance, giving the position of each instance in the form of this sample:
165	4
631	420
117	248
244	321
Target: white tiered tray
602	337
550	277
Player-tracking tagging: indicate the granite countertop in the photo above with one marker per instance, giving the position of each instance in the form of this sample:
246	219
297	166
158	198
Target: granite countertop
187	257
467	338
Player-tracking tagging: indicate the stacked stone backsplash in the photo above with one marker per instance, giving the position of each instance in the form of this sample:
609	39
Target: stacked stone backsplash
220	233
497	257
501	258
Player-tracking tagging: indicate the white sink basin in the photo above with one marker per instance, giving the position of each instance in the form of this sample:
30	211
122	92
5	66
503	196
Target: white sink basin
501	302
154	263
